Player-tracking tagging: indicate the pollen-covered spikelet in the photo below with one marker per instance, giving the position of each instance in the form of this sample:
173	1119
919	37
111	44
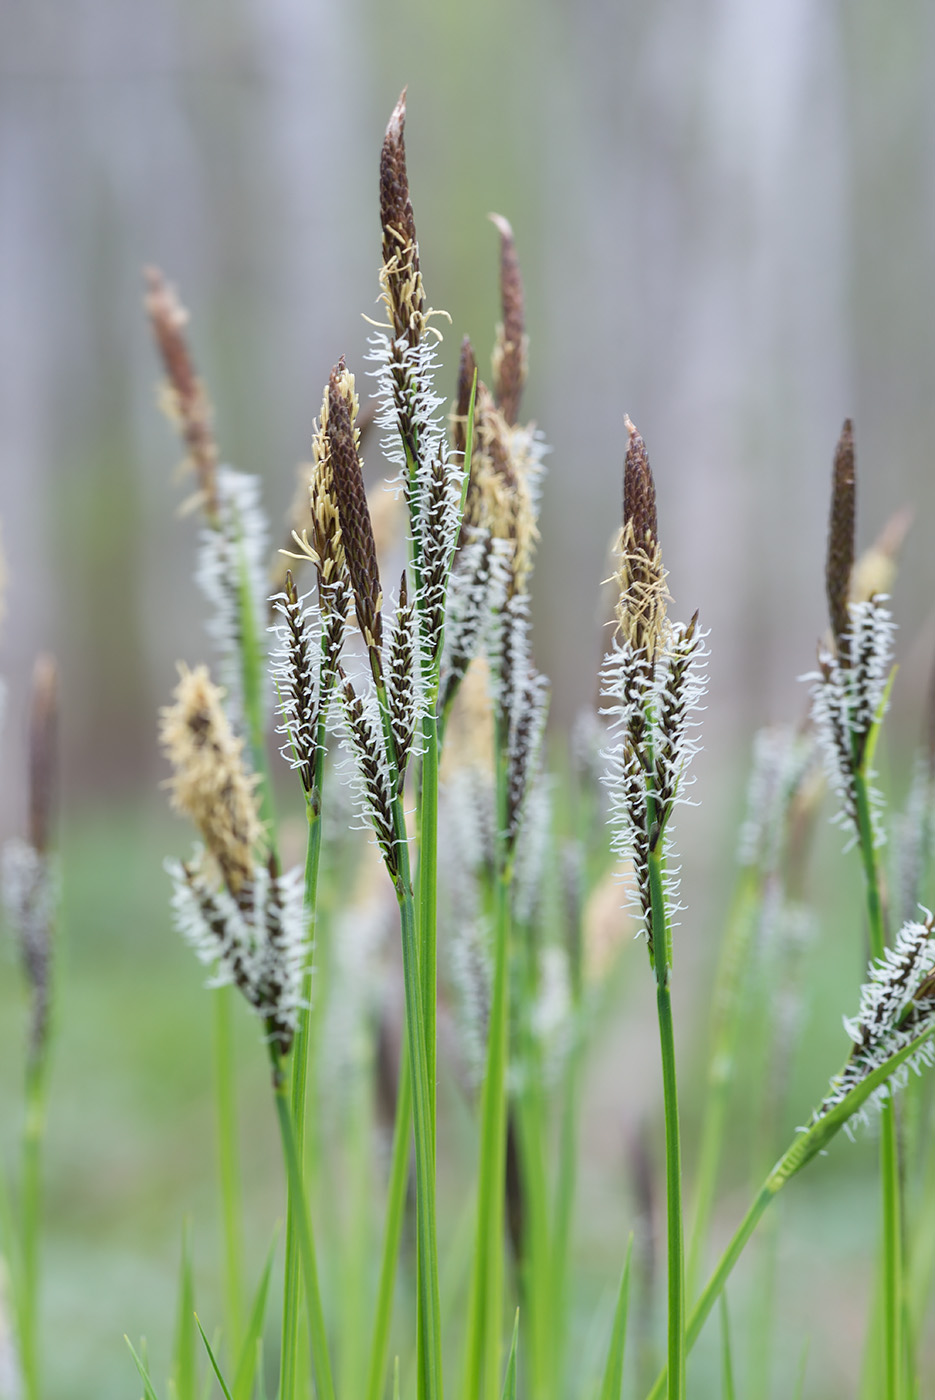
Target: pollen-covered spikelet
210	783
653	679
185	398
641	607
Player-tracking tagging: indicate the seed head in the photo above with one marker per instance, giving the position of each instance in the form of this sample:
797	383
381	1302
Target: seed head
353	514
841	529
186	401
210	783
400	276
512	343
641	609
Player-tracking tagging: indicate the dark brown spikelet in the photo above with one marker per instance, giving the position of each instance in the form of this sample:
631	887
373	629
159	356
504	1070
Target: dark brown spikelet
403	279
841	530
356	526
188	403
467	369
639	492
510	351
641	609
43	753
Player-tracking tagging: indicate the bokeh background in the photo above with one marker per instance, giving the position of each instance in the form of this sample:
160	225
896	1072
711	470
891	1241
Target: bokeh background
725	214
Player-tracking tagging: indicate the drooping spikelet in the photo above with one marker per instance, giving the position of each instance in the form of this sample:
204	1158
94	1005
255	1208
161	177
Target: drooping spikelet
897	1008
186	398
512	344
255	940
210	783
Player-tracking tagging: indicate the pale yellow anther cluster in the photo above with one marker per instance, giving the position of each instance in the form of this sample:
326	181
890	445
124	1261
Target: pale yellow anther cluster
641	609
210	782
326	550
500	499
401	288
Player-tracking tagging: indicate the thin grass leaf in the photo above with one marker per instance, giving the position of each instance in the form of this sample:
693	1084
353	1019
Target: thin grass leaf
148	1389
260	1376
183	1358
612	1383
212	1358
509	1380
727	1363
396	1378
246	1367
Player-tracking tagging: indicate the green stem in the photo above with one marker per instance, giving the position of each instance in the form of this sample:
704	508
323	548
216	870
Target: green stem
31	1207
564	1206
430	1329
806	1146
486	1304
300	1072
228	1165
300	1221
395	1213
724	1037
428	913
889	1150
674	1234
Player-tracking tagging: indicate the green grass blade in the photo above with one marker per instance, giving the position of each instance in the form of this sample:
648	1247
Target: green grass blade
213	1359
727	1363
228	1161
183	1360
393	1230
246	1367
612	1383
148	1389
509	1380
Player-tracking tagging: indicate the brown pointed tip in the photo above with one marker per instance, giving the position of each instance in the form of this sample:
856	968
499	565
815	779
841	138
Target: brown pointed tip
397	122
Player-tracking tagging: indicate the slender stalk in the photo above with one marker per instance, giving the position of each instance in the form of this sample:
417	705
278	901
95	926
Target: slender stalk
300	1221
425	1175
889	1149
564	1207
428	881
228	1165
801	1151
31	1206
395	1212
727	1020
486	1303
300	1073
674	1235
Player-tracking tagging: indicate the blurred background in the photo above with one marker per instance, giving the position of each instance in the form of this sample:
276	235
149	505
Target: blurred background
725	215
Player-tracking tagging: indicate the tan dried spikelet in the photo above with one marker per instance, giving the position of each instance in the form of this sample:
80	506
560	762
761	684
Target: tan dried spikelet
210	782
641	609
500	499
512	344
185	398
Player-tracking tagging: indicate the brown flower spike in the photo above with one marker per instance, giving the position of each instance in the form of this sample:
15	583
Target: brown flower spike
512	344
353	512
641	611
401	276
188	401
841	531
